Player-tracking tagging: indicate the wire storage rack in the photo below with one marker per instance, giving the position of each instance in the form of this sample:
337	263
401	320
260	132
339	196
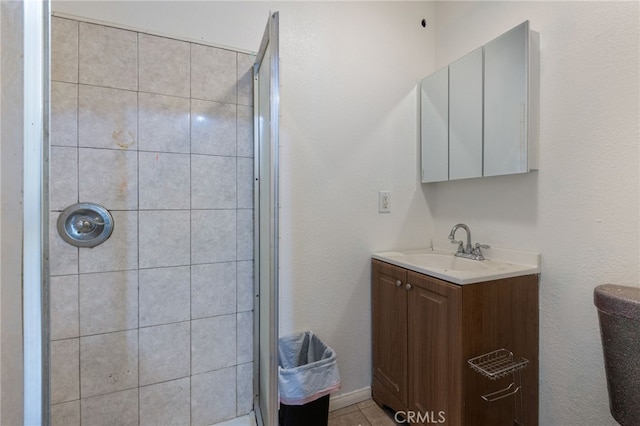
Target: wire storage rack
501	363
496	364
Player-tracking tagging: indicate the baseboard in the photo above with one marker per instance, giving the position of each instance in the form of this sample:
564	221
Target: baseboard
340	401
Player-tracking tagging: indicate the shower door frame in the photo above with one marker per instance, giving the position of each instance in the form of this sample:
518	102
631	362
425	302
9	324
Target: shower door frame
35	249
266	230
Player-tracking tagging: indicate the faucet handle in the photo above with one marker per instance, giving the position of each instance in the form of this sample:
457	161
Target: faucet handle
477	252
459	243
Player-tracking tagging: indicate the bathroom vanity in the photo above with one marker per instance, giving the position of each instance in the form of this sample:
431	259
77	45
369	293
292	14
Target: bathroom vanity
426	329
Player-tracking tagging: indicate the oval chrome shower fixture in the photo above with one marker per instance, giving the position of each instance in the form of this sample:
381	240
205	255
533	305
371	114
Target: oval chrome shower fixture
85	224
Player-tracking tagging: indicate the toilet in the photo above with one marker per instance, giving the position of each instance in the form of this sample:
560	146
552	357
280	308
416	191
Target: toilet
619	315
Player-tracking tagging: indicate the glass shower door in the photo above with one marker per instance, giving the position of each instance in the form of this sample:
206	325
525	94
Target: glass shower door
266	114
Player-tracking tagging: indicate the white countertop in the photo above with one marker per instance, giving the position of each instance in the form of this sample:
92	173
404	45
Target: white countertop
438	261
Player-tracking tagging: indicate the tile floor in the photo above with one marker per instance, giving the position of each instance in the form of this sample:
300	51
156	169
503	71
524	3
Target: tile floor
365	413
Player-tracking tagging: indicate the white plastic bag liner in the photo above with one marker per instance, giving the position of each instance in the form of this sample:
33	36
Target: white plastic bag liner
307	369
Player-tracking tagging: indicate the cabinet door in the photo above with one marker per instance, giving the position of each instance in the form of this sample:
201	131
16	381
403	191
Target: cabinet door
389	317
435	381
465	116
506	65
434	126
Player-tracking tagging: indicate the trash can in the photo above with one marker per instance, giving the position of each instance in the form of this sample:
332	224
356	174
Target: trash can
307	374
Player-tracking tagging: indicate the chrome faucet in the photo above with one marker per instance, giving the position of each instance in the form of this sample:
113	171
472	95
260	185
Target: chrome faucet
468	251
461	247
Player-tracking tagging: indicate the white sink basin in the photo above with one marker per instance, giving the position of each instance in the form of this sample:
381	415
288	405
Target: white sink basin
499	263
435	260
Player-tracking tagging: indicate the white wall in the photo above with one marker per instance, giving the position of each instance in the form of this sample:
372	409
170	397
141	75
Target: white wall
348	130
349	72
581	209
238	24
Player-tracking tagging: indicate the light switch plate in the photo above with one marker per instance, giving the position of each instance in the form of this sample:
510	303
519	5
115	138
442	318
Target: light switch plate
384	202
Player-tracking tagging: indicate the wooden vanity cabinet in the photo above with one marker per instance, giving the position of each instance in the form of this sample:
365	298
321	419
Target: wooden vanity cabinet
390	348
424	331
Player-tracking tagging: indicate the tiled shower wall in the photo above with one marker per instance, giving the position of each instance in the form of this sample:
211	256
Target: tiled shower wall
154	326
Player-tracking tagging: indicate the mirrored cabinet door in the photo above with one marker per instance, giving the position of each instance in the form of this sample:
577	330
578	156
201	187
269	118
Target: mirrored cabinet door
506	68
435	126
479	114
465	116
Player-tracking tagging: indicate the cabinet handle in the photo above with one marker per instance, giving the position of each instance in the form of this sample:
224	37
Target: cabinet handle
398	283
408	286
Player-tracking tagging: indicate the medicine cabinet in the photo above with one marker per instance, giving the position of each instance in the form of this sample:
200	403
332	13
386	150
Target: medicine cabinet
479	114
435	126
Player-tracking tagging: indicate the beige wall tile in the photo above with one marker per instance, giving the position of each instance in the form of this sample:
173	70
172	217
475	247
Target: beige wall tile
164	123
108	57
63	189
65	380
245	234
109	177
164	352
64	316
164	238
64	50
213	236
66	414
244	289
166	404
222	171
108	302
164	65
213	397
245	182
207	62
118	408
245	131
107	118
213	343
108	363
245	78
244	399
64	114
213	128
165	181
164	295
244	338
213	289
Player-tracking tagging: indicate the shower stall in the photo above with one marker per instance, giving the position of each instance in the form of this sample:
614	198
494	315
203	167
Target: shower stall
172	319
